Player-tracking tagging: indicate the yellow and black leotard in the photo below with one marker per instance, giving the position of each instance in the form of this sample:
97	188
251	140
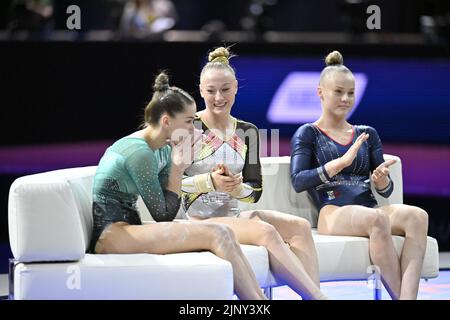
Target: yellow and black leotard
241	154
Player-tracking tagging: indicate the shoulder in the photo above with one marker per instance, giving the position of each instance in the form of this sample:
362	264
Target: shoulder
129	142
165	151
365	128
245	125
373	134
305	135
305	131
132	147
198	123
374	138
198	114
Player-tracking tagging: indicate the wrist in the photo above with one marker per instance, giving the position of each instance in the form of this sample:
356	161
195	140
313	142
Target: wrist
382	184
203	183
237	191
212	176
176	170
341	164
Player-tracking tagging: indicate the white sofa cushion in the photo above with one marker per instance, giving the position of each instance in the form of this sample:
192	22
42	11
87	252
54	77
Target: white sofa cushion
193	275
133	276
347	258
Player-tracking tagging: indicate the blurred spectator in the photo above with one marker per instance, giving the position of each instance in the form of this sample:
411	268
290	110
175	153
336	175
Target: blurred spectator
32	16
143	19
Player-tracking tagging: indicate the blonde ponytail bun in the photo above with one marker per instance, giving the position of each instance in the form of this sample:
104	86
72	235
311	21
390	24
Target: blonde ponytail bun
334	58
219	55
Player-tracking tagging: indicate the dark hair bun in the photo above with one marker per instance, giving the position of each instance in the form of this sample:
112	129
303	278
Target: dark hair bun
334	58
161	82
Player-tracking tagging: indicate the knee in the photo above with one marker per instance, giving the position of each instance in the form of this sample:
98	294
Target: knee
379	223
251	214
303	226
417	219
301	232
301	229
221	236
265	233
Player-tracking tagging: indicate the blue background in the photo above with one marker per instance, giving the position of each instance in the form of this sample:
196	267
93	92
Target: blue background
408	100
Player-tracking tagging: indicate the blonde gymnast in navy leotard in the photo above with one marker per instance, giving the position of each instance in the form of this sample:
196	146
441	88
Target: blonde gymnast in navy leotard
334	161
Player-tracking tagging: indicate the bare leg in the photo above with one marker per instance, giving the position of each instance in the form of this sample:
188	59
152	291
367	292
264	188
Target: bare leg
296	232
283	262
411	222
357	220
175	237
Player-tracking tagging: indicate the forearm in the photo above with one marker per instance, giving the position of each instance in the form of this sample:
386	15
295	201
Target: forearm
304	179
385	190
174	183
200	183
382	183
246	191
333	167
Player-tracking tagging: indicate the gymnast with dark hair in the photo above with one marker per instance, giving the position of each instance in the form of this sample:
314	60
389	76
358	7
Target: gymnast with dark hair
150	163
228	171
335	161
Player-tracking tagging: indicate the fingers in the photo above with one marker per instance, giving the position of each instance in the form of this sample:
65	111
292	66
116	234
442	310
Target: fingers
198	132
226	170
198	137
226	183
197	147
380	172
387	163
232	185
359	141
218	167
362	137
383	169
177	143
190	140
188	146
349	156
230	180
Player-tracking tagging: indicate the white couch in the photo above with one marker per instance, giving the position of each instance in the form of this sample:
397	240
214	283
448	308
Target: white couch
50	223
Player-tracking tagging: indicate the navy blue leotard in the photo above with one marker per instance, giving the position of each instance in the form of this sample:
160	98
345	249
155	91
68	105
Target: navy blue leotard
311	149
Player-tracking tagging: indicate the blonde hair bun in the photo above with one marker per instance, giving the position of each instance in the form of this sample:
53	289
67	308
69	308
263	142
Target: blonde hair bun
219	55
334	58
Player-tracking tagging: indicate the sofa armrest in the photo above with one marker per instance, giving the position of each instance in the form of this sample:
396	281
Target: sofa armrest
44	222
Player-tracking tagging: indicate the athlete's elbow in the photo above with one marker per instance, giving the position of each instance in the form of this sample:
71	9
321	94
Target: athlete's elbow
298	186
299	189
165	217
257	196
